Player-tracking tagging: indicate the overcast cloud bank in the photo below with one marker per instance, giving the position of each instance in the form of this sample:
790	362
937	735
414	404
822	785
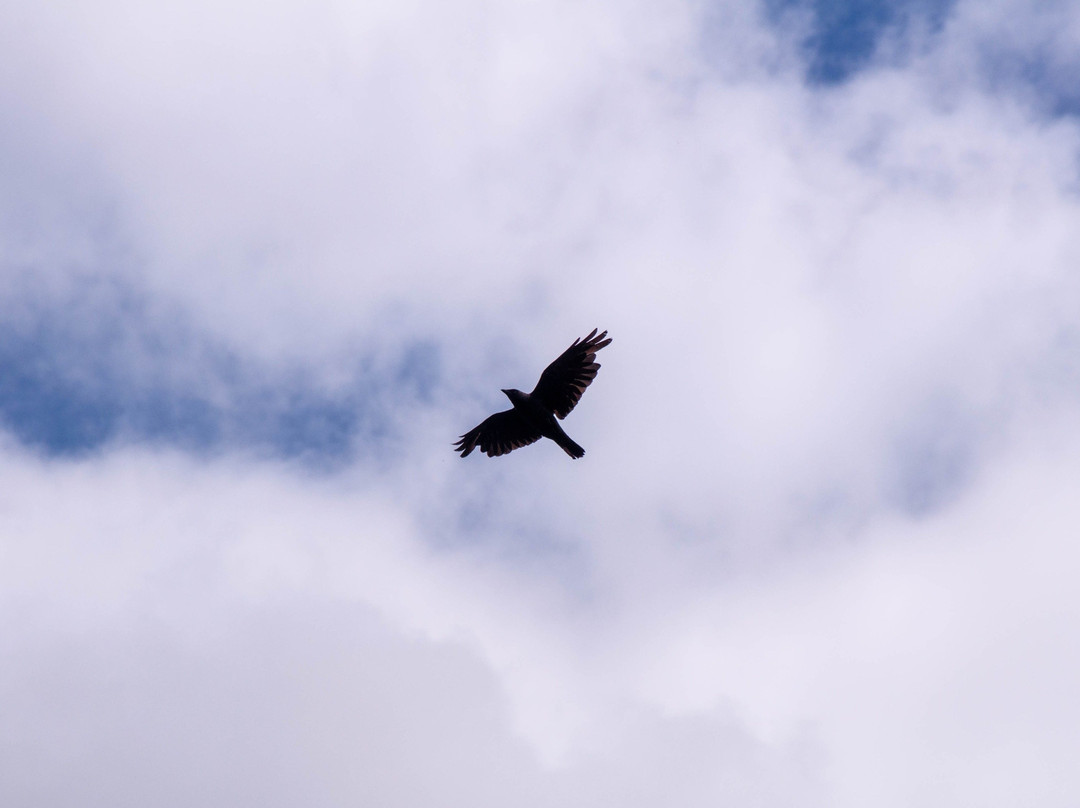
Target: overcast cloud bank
260	266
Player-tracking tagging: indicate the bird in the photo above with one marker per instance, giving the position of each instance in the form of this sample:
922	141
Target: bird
533	414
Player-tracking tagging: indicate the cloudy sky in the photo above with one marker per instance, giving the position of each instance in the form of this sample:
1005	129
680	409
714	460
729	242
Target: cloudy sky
261	263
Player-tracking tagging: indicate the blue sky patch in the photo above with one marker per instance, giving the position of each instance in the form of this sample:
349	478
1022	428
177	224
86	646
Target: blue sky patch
843	35
79	374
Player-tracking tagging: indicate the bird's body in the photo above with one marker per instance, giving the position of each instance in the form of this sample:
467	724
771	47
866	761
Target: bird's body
542	420
533	415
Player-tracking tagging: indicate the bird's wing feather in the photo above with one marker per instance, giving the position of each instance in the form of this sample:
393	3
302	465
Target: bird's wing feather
562	383
498	434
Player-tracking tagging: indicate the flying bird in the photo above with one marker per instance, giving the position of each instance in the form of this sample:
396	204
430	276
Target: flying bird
533	414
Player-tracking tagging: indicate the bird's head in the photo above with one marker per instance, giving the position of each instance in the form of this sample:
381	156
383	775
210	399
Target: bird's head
514	395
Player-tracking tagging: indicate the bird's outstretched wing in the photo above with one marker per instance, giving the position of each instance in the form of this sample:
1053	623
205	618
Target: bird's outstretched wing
562	383
498	434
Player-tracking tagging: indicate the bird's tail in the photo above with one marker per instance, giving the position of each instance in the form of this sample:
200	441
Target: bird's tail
569	446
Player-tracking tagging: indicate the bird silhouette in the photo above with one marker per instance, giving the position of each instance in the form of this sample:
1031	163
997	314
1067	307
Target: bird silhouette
533	414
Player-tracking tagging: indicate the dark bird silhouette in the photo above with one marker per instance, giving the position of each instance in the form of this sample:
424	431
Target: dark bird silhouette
533	415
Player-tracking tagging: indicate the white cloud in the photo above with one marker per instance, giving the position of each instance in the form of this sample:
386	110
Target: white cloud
819	549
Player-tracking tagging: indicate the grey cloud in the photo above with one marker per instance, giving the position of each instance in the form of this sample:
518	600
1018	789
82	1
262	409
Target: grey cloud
201	666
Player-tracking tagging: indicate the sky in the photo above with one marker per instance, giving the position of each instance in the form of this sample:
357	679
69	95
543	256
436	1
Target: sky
262	263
